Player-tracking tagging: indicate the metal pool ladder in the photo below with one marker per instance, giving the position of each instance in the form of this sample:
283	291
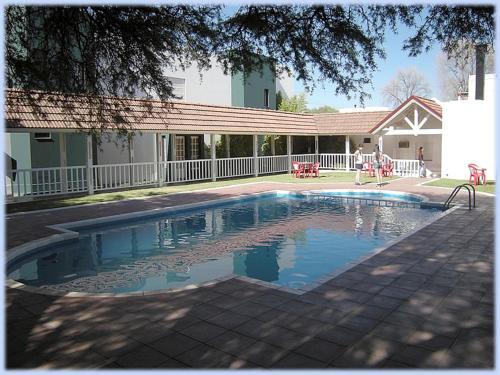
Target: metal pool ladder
454	193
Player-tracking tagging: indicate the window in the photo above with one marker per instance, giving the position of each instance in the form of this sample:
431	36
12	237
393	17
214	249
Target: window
266	98
404	144
179	148
195	147
367	140
178	87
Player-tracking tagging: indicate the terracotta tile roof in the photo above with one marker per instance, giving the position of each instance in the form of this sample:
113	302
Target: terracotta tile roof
348	122
431	105
39	110
50	112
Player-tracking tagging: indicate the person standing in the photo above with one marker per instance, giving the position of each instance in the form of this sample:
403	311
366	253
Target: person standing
377	164
358	161
421	164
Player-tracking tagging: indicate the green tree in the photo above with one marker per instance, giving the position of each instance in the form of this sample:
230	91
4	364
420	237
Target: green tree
296	103
322	109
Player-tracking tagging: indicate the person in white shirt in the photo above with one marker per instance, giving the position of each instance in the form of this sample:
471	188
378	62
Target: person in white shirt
377	164
358	160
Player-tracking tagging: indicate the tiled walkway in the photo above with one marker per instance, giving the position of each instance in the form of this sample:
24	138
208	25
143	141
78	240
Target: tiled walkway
427	301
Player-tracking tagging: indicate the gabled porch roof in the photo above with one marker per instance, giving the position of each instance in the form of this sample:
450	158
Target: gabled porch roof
432	107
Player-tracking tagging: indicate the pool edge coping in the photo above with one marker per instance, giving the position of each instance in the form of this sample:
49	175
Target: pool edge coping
67	234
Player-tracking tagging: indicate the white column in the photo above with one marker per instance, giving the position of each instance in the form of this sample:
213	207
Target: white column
316	148
173	149
131	158
289	152
381	143
256	154
273	145
159	153
63	162
90	176
347	153
212	157
228	146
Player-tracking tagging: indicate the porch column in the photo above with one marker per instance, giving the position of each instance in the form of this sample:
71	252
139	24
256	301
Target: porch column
381	143
131	158
90	176
212	157
289	152
256	154
316	148
159	153
173	149
228	146
63	162
273	145
347	153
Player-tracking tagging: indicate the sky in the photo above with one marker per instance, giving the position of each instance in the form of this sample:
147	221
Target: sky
395	60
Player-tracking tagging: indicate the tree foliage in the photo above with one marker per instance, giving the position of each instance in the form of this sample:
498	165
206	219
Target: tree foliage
322	109
296	103
405	83
455	67
121	51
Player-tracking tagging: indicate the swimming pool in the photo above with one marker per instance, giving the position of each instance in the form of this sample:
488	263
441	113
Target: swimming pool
286	239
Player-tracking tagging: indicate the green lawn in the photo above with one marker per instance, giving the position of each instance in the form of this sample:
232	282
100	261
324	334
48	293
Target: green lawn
149	192
451	183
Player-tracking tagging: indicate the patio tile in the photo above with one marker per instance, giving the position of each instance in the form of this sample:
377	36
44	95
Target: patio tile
228	319
294	360
174	344
358	323
231	342
204	356
373	312
429	340
226	301
340	335
254	328
205	311
142	357
270	300
384	302
203	331
171	363
114	345
320	350
263	354
396	292
250	309
284	338
149	332
412	355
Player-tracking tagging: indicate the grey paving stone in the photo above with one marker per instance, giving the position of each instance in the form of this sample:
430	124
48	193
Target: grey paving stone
254	328
411	355
396	292
203	331
141	357
320	350
284	338
205	311
171	363
228	319
294	360
384	302
250	309
174	344
263	354
358	323
231	342
204	356
341	335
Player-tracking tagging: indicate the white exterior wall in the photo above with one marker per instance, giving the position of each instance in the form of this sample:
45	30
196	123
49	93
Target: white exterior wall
468	137
144	150
213	87
285	85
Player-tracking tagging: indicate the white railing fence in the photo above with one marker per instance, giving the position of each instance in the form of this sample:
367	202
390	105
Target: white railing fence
31	183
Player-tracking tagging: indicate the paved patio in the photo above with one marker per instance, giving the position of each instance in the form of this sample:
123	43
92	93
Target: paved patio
425	302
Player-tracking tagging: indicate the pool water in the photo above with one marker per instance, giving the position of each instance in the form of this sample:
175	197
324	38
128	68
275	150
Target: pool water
290	240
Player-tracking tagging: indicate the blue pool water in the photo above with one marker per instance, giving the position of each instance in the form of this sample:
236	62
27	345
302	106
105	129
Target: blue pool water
289	240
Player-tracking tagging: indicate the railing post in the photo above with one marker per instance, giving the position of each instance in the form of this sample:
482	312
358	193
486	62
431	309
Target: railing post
159	153
63	162
347	154
316	148
131	158
256	154
289	152
212	157
90	176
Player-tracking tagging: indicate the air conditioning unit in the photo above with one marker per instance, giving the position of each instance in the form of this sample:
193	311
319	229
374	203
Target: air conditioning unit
43	137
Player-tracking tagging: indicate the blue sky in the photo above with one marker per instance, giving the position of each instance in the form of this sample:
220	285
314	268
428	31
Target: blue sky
395	59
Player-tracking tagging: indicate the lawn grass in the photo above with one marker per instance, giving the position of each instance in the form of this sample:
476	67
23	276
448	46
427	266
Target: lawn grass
451	183
332	177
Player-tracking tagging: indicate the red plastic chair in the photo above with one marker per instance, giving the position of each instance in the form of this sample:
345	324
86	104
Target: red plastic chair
368	168
315	170
302	170
388	169
477	174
